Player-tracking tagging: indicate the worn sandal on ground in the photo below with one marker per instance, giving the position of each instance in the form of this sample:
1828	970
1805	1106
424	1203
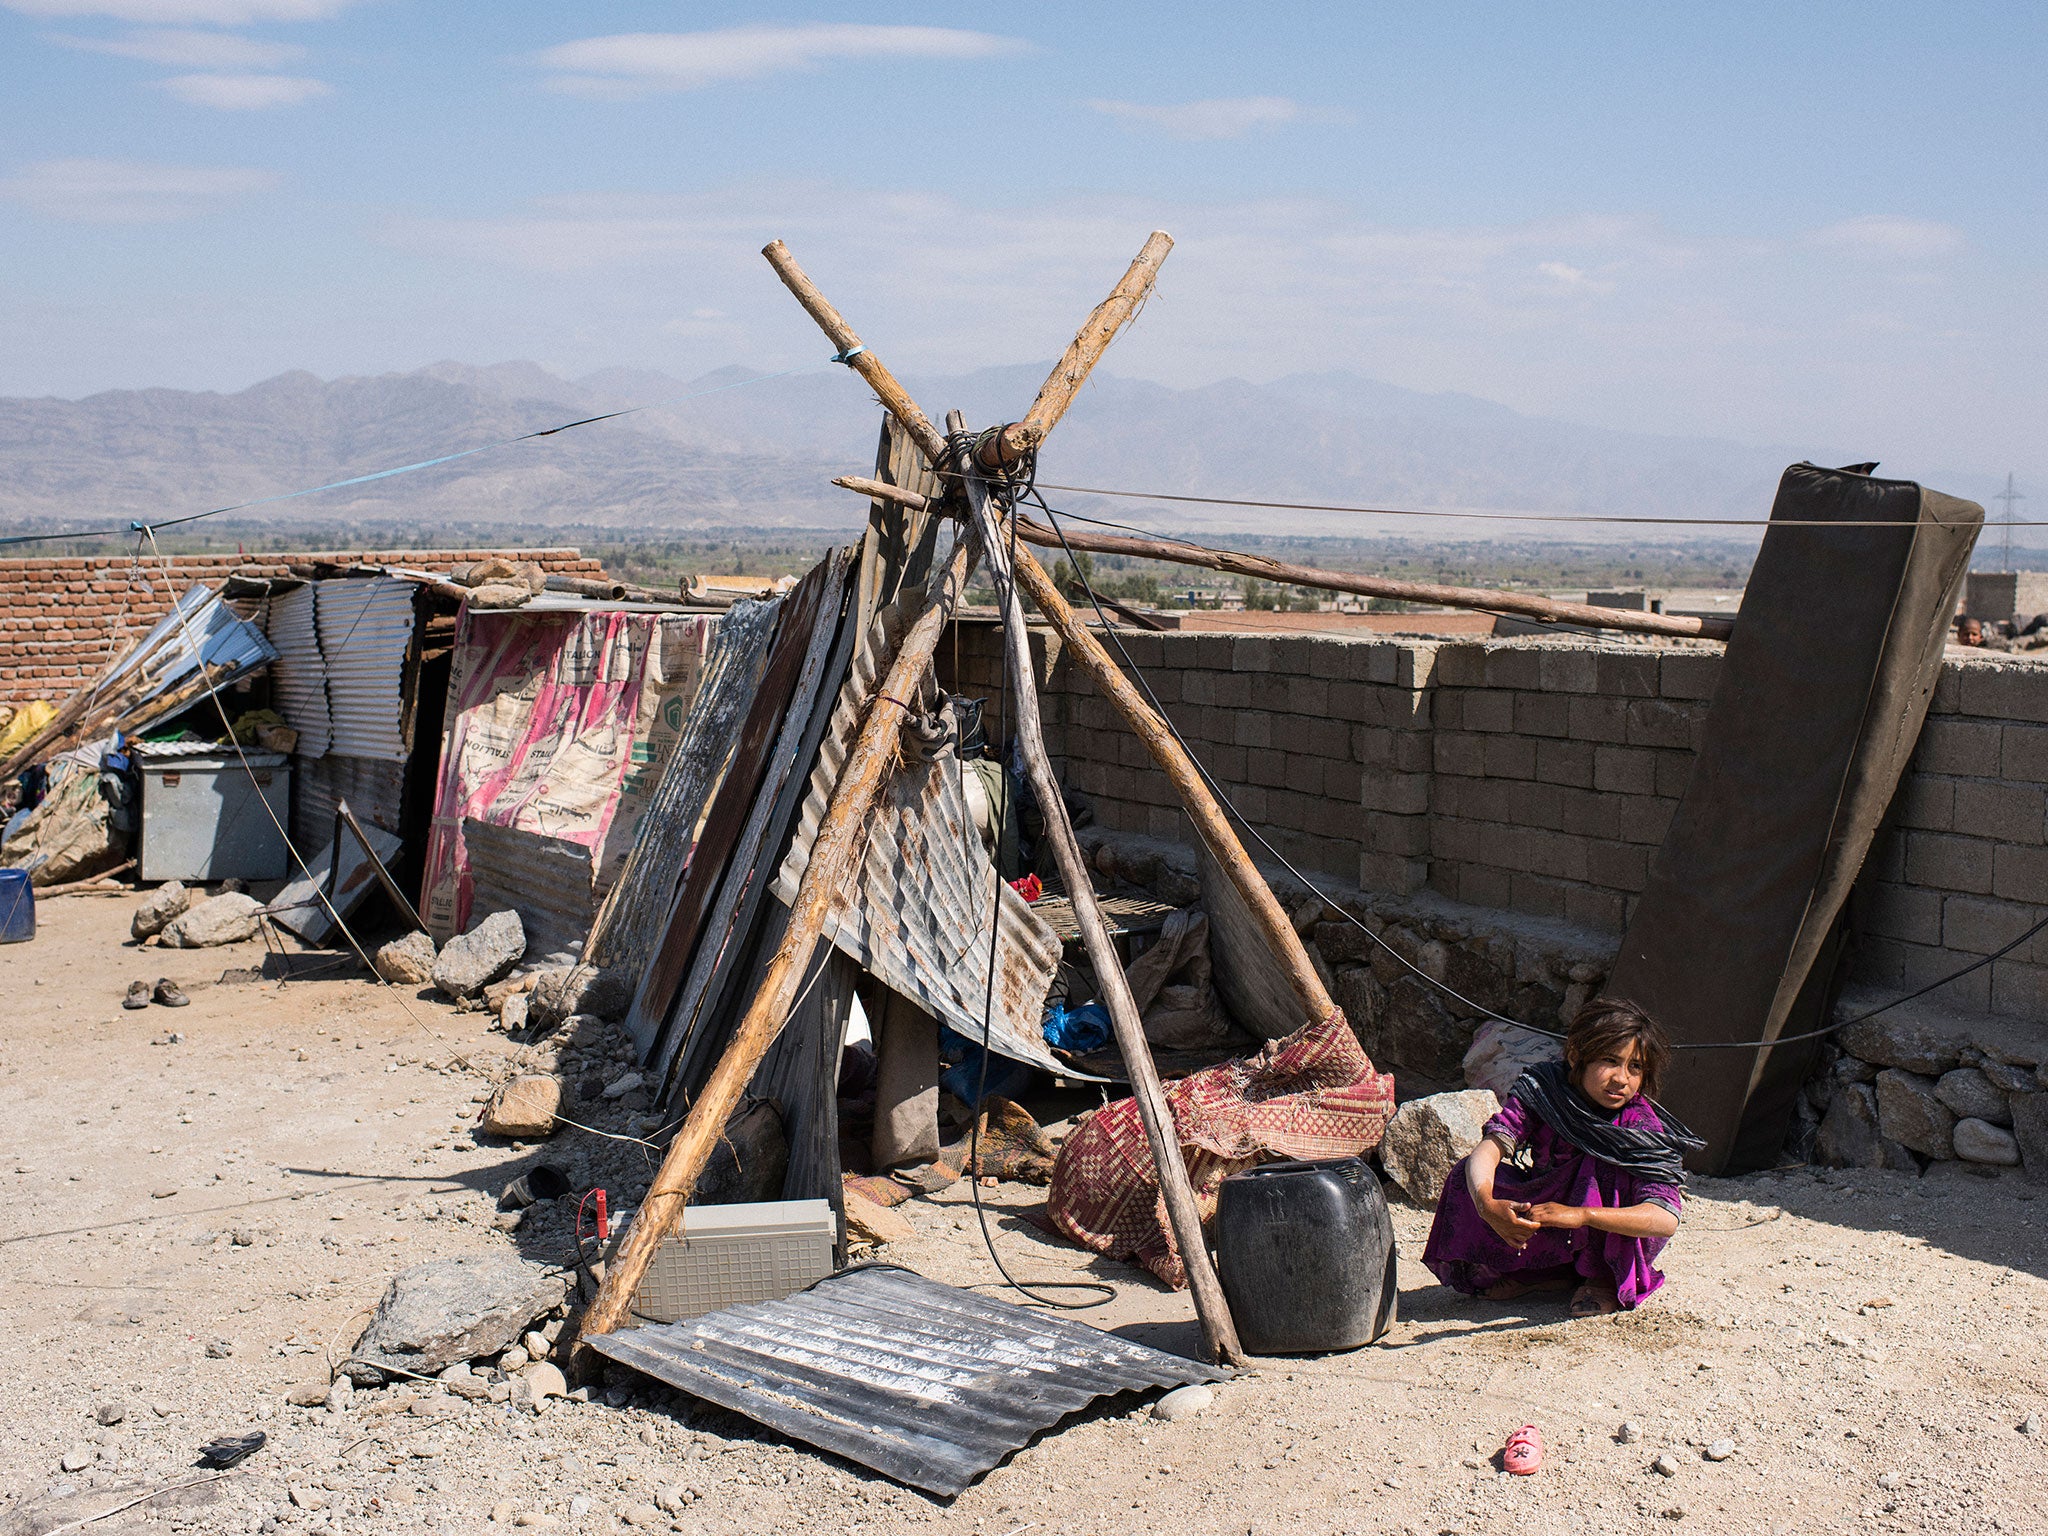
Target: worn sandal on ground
1523	1453
138	995
1591	1300
168	992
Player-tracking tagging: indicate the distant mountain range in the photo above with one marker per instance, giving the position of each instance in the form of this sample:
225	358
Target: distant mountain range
762	455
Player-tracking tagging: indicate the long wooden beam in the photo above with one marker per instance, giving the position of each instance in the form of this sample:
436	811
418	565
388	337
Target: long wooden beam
1184	1217
1006	446
1485	599
854	353
834	855
1202	807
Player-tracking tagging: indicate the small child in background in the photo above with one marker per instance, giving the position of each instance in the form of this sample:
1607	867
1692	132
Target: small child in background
1579	1180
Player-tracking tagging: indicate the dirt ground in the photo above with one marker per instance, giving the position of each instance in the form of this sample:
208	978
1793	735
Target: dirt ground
193	1228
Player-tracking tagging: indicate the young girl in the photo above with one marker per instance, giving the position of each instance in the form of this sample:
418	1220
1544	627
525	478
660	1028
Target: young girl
1579	1178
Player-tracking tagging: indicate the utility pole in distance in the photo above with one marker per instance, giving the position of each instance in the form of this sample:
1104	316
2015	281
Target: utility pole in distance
2008	496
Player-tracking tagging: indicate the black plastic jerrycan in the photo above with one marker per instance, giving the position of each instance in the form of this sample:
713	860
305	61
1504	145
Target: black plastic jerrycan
1305	1251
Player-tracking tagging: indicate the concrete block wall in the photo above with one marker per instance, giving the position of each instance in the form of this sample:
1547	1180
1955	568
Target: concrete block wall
1537	777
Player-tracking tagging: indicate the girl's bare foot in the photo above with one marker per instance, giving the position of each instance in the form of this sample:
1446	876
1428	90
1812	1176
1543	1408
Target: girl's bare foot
1591	1300
1511	1289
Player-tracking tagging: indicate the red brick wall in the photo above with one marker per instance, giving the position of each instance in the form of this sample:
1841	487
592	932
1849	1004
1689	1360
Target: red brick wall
61	621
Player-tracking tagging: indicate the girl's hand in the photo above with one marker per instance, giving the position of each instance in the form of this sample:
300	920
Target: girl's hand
1509	1222
1550	1214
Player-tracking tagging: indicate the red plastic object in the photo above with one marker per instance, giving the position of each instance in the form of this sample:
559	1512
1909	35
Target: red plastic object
1523	1453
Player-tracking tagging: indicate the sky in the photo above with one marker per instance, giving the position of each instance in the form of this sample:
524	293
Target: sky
1774	223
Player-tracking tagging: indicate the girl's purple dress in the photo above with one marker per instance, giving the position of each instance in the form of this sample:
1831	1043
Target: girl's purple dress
1469	1256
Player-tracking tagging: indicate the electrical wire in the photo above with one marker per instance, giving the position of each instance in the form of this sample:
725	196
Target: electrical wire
1223	798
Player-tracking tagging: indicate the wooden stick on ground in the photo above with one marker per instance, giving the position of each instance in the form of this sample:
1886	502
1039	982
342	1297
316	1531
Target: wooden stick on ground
1183	1216
833	858
1526	604
1202	807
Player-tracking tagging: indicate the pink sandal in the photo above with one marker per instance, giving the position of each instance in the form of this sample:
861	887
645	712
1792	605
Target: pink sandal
1523	1453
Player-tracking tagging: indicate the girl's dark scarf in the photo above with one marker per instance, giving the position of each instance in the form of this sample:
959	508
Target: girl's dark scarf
1656	1155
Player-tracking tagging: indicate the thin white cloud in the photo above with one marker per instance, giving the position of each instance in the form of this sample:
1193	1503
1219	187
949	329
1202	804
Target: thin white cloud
184	48
1883	237
636	63
130	191
245	93
218	13
1223	117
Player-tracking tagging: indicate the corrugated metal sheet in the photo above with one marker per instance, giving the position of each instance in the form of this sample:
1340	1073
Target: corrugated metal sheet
546	880
298	678
199	626
919	918
926	1384
629	924
373	788
366	635
299	908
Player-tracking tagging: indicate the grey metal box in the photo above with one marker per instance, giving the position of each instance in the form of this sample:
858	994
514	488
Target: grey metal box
203	818
729	1254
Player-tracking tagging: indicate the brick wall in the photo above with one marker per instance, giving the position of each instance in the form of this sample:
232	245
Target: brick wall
61	621
1537	777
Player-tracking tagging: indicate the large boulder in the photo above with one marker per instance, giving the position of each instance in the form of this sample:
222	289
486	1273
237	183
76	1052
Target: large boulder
1427	1137
225	919
1850	1136
1969	1094
524	1107
407	961
1501	1053
559	995
1893	1041
472	961
438	1313
158	909
1910	1114
1979	1141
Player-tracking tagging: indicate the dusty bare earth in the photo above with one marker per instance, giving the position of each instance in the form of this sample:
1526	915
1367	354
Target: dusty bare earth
192	1229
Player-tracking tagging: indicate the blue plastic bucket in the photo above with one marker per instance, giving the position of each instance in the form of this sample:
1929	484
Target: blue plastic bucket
17	907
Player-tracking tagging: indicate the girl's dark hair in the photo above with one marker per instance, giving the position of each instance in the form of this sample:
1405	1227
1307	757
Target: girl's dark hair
1608	1024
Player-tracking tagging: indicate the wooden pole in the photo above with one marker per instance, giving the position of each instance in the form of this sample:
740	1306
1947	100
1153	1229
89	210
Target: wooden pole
1201	805
894	397
1079	360
833	858
1182	1214
881	490
1522	603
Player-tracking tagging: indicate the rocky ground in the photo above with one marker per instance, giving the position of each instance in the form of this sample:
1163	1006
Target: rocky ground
196	1226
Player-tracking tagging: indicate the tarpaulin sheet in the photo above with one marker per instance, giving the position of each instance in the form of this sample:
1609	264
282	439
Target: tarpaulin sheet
1821	697
558	724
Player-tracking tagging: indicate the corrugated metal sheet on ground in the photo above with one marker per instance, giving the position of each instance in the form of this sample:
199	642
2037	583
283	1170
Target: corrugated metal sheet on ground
373	788
546	880
919	917
299	906
629	923
298	678
366	635
927	1384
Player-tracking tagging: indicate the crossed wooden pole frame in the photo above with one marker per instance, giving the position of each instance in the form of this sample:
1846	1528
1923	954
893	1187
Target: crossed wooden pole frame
970	464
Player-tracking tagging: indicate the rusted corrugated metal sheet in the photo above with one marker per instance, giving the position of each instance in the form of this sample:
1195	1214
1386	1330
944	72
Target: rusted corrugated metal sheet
919	918
199	626
367	631
926	1384
629	922
373	788
298	678
546	880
